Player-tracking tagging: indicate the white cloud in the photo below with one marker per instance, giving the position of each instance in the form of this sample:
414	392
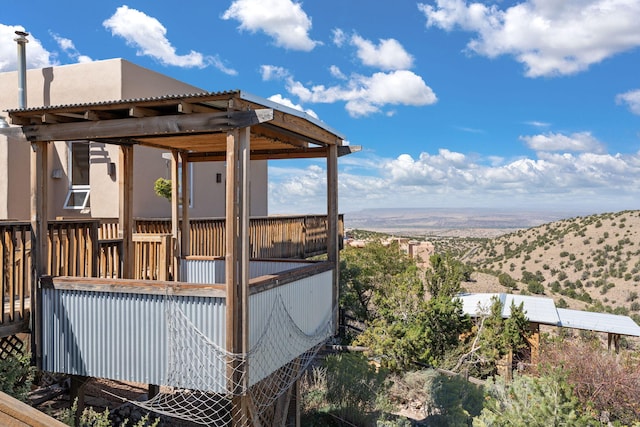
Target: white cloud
148	36
283	20
594	181
576	142
538	124
288	103
365	95
69	48
272	72
387	55
337	72
549	37
632	99
37	55
339	37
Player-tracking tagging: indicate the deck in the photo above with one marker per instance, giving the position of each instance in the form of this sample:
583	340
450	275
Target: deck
92	248
162	332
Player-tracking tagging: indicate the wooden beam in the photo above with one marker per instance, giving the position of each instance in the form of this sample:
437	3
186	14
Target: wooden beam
295	124
177	248
56	118
189	108
186	191
143	112
237	264
160	126
39	230
291	153
99	115
333	246
125	193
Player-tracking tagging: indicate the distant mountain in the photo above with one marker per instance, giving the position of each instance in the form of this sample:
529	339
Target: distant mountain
591	261
452	221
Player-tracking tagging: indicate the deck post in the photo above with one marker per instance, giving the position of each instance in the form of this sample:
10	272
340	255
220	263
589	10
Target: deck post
186	191
39	234
175	242
125	182
237	267
333	247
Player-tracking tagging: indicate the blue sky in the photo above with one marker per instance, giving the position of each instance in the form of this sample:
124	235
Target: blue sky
503	104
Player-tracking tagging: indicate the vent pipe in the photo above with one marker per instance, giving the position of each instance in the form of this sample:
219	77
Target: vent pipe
22	68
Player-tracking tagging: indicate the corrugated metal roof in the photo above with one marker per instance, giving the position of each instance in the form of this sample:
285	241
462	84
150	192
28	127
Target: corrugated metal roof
540	310
191	96
543	310
116	102
600	322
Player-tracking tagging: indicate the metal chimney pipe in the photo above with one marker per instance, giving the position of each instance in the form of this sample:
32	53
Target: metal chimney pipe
22	68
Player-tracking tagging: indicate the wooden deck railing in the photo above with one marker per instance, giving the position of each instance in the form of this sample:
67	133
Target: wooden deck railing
15	282
270	237
93	248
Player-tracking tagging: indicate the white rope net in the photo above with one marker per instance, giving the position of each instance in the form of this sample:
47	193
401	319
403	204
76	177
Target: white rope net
213	387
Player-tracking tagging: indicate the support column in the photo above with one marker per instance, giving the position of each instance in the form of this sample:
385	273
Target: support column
237	266
333	247
186	191
39	236
175	235
125	184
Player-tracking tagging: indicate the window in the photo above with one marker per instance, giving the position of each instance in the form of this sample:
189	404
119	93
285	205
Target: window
78	167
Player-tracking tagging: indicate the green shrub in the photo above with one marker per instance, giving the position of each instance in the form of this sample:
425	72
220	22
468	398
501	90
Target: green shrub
16	375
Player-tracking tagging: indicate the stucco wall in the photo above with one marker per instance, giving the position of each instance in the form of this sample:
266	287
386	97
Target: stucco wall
105	81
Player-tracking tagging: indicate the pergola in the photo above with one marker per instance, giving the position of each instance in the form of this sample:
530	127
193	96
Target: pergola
230	126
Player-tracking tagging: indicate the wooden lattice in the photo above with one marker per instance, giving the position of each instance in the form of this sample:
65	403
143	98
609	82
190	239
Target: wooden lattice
10	345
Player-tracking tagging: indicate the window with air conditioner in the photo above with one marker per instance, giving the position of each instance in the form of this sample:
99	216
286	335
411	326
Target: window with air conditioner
78	171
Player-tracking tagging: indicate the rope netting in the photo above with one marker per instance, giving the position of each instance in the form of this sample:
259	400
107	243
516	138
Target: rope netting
213	387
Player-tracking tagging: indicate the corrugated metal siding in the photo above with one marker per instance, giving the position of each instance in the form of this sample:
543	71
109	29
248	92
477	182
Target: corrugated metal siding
203	271
213	271
262	268
307	301
116	335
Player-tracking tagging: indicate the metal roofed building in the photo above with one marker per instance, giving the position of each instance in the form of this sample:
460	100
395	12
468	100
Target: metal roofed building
543	311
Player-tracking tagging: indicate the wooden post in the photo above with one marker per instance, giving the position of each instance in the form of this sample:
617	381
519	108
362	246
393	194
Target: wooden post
186	191
333	247
237	265
534	342
125	183
177	249
76	393
39	230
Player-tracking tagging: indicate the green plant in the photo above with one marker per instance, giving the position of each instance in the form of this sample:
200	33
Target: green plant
528	401
16	374
162	188
353	385
92	418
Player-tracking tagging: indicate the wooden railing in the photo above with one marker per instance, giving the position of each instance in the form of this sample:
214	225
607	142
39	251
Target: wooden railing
152	256
93	248
270	237
15	282
73	248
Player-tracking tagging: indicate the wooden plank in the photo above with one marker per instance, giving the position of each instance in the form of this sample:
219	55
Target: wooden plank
134	286
16	413
175	236
168	125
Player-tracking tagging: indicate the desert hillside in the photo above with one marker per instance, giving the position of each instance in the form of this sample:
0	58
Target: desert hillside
591	261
